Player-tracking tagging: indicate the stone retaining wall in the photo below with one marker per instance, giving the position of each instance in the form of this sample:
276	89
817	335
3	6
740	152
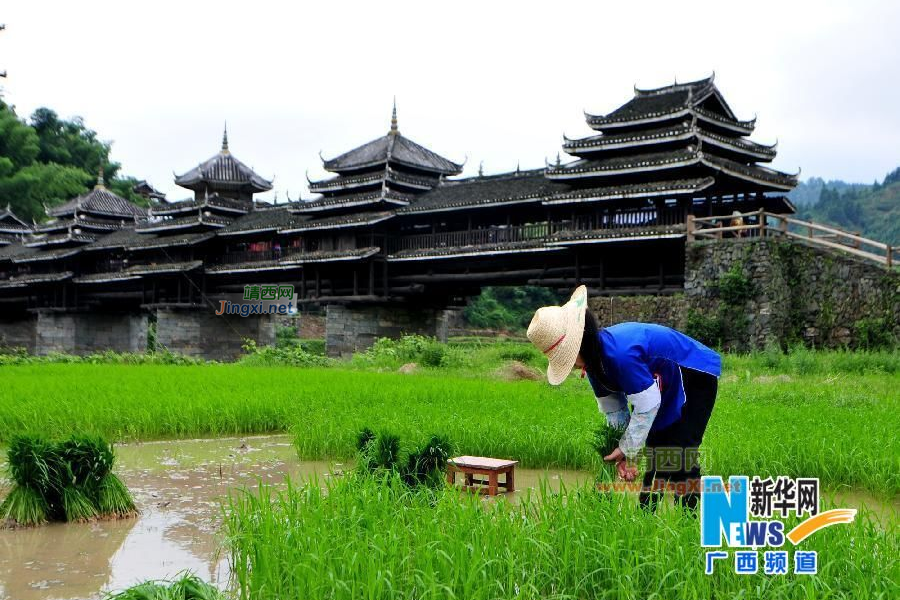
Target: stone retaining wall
202	333
793	294
349	329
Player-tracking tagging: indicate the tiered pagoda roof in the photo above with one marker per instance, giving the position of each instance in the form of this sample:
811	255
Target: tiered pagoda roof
223	174
223	190
12	228
82	219
668	138
387	172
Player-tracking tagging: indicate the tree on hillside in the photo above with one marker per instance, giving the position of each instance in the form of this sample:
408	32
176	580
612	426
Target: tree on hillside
51	160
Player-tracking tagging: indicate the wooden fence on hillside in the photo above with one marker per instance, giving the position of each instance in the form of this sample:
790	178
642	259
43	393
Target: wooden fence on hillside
765	224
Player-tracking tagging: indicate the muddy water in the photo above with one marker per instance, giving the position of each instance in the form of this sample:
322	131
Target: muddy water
178	486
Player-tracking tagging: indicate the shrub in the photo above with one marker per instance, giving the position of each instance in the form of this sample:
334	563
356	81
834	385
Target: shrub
704	328
734	287
874	333
273	356
433	354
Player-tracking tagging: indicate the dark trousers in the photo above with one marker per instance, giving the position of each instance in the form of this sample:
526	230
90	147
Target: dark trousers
674	451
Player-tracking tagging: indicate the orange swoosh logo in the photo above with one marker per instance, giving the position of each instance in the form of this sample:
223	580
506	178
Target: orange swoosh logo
820	521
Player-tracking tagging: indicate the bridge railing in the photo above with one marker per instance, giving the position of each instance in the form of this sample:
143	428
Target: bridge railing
620	219
246	256
762	224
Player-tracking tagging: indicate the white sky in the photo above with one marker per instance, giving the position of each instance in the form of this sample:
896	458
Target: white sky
495	81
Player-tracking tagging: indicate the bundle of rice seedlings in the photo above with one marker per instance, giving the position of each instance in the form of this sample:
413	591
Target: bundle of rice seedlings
89	458
77	505
24	506
363	438
386	451
426	465
184	587
606	439
32	463
379	452
113	498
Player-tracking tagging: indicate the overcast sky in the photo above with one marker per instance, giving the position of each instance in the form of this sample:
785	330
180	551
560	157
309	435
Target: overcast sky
488	81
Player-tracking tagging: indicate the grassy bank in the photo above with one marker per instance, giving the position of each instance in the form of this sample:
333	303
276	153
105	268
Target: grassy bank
840	427
367	540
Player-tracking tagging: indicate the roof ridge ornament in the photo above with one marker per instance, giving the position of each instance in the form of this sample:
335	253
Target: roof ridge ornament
225	139
101	183
481	169
394	129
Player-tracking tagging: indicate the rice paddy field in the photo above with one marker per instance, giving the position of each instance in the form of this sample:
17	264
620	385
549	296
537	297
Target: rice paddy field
834	416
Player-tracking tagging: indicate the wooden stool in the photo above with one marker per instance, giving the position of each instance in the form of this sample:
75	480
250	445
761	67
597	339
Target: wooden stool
470	466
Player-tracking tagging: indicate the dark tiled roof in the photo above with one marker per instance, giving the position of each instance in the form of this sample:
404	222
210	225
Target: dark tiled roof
81	222
40	255
677	131
136	271
474	250
134	240
147	241
351	220
57	239
506	188
618	233
99	201
116	239
754	173
388	196
399	149
6	239
223	170
10	223
669	102
264	219
25	280
344	182
292	261
623	164
145	189
187	222
637	190
15	250
215	202
391	176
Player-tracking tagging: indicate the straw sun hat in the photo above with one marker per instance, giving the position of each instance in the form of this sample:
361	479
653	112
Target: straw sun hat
557	331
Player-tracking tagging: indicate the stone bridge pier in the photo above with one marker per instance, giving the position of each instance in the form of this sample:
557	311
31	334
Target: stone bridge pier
350	329
200	333
69	332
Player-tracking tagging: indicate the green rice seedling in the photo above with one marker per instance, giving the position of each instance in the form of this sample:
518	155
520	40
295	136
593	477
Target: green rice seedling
31	461
606	439
77	505
185	586
363	438
89	457
113	498
801	425
376	538
382	453
24	506
427	464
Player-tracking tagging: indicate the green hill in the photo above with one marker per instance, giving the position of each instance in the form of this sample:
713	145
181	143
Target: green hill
873	210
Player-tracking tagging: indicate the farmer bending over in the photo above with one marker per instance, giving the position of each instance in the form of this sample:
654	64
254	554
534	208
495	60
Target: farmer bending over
657	383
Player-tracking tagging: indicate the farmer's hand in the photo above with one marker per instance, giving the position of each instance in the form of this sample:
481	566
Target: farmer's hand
626	472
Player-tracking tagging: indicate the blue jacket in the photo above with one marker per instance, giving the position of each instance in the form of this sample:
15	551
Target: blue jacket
637	354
